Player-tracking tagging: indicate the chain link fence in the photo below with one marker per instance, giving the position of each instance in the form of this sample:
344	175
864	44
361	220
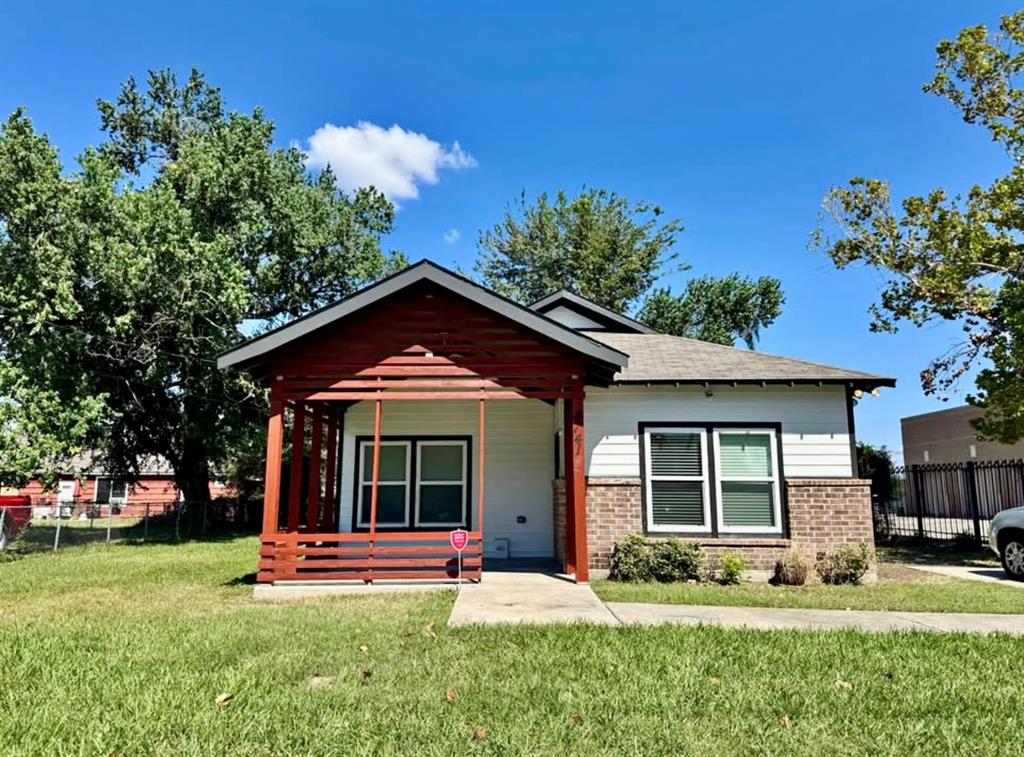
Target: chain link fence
35	526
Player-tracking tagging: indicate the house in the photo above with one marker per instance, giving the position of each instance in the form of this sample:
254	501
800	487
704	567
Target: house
426	403
86	486
946	436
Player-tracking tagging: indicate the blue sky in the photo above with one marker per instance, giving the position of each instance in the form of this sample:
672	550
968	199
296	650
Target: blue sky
736	117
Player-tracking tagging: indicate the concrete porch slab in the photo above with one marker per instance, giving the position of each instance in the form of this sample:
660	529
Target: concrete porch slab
531	598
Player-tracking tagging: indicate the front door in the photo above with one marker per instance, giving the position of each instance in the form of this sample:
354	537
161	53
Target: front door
66	498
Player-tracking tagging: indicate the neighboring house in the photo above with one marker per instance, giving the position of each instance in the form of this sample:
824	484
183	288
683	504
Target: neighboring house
92	488
946	436
547	431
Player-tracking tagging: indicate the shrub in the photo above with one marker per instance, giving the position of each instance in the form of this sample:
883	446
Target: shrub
631	559
636	558
674	561
792	568
732	569
965	541
845	565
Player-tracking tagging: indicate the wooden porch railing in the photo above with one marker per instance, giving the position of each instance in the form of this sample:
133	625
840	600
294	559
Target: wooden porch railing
424	555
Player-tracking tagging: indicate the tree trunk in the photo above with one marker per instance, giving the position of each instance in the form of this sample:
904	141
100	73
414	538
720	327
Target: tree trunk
193	476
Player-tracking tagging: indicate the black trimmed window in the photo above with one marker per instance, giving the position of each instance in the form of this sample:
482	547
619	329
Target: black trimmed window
712	479
422	483
110	491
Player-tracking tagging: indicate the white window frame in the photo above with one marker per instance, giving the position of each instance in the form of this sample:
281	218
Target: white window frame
773	479
368	444
420	482
115	501
649	477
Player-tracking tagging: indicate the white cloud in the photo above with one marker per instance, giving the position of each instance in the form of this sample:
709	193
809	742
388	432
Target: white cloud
451	236
394	160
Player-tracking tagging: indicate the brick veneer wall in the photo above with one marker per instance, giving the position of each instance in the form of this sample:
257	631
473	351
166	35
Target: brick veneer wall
823	513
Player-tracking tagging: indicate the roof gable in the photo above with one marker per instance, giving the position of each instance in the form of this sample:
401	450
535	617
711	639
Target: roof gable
603	318
253	351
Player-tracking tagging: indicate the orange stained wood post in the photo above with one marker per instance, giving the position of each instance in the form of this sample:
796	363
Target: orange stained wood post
568	488
375	478
480	486
315	452
298	453
575	489
272	476
330	472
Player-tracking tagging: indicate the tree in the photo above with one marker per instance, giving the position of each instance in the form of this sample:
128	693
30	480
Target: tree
612	251
182	233
718	310
954	258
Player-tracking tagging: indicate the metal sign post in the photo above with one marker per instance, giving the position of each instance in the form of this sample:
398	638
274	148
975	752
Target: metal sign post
459	538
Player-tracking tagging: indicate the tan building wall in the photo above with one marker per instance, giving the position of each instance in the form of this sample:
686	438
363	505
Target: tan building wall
946	436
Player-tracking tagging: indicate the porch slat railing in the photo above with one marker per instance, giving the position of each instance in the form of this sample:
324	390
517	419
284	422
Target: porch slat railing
387	556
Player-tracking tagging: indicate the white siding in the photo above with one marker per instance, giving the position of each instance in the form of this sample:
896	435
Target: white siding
519	461
815	438
571	318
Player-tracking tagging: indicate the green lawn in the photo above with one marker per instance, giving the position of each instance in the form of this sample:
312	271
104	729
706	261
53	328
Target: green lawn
124	649
898	588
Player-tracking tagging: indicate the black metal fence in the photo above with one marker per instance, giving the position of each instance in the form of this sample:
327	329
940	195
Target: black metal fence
953	501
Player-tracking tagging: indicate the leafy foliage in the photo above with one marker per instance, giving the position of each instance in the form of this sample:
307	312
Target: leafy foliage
718	310
612	251
731	569
954	258
637	559
179	235
792	568
845	564
875	463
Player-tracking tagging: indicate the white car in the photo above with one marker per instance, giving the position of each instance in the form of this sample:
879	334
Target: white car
1006	537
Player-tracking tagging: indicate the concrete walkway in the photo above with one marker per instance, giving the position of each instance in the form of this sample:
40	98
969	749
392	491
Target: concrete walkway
519	597
771	618
972	573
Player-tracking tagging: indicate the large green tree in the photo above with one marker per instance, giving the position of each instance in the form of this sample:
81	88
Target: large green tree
955	257
184	231
608	249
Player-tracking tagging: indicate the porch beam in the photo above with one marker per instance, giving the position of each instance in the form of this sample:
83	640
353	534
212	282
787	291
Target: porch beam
375	479
576	488
315	450
272	474
482	444
298	453
568	489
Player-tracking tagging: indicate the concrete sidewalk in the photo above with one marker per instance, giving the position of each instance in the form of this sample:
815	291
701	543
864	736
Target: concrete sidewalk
771	618
515	597
982	573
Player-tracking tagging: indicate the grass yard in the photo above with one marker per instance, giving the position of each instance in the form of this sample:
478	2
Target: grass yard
125	649
898	588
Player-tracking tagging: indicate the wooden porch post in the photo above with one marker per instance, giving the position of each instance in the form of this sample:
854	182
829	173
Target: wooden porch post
330	524
480	485
568	488
315	449
576	482
373	485
298	453
272	476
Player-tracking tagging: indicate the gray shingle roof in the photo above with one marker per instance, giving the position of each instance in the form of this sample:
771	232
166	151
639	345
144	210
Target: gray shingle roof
664	358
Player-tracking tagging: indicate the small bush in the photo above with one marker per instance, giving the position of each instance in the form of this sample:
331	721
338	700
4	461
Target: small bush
845	565
631	560
733	567
792	568
965	541
637	559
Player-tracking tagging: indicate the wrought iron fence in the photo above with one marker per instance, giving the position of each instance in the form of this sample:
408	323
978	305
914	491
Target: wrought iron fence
952	501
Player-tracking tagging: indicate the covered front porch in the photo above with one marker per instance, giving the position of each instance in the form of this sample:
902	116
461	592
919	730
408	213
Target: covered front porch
413	408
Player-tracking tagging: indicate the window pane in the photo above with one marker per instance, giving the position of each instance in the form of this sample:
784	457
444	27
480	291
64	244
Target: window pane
390	504
441	503
745	455
441	462
748	504
677	503
119	490
392	462
103	491
676	454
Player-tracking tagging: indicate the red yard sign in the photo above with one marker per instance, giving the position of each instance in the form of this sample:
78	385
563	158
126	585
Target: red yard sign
459	538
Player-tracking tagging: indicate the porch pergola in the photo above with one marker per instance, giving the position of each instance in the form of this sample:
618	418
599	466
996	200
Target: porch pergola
433	337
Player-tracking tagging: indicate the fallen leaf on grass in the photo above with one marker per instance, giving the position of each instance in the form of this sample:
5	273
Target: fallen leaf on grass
840	684
428	630
715	681
224	700
786	722
364	649
316	682
479	734
451	695
576	719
